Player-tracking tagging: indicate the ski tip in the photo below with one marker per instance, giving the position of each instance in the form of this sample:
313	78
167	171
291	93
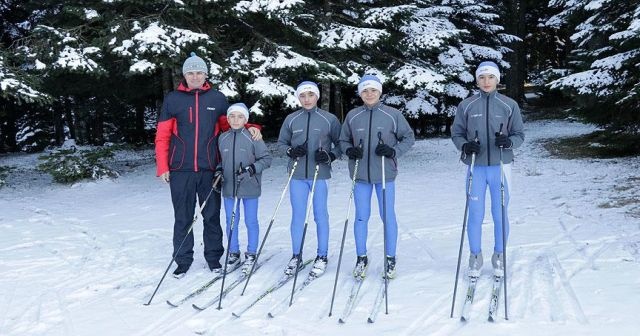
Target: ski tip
196	307
235	315
370	320
171	304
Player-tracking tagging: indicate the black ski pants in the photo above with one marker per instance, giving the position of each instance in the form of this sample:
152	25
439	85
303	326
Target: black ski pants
184	187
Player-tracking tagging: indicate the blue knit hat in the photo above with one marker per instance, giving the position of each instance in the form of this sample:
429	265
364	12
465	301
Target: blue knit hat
194	64
307	86
369	81
239	107
488	68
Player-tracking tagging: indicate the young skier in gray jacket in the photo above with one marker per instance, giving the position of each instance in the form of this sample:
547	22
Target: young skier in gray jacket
242	162
369	133
496	121
310	137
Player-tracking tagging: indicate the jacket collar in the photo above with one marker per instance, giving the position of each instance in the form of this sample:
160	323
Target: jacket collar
374	107
491	94
184	88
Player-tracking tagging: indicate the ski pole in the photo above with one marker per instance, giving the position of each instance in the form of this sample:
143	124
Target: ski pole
344	231
384	231
236	205
304	231
195	218
504	235
273	217
465	218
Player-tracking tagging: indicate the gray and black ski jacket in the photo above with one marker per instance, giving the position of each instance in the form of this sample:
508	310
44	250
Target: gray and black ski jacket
364	124
316	128
236	147
484	113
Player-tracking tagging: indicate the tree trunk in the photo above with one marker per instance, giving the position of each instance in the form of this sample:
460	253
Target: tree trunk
139	136
338	110
8	128
98	128
325	96
58	124
515	25
71	123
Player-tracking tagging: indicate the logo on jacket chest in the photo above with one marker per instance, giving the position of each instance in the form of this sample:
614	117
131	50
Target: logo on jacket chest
209	108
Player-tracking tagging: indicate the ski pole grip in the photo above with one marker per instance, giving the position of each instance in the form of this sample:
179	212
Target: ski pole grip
380	138
476	139
501	124
217	180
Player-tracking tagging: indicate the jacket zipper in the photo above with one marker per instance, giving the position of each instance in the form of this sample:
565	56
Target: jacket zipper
488	140
233	161
369	147
306	169
195	143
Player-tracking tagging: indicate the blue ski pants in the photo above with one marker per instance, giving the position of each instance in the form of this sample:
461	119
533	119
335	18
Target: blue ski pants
250	221
362	197
483	177
298	193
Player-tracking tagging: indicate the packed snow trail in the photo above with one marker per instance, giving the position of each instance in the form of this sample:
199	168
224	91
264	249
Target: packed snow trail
82	259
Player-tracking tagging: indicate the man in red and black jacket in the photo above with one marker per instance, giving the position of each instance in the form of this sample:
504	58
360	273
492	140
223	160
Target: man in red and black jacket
192	116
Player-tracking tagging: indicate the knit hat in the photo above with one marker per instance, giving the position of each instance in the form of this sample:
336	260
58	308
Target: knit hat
194	64
369	81
307	86
239	107
488	68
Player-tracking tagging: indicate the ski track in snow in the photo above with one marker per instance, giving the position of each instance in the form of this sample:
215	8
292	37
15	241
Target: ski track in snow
83	259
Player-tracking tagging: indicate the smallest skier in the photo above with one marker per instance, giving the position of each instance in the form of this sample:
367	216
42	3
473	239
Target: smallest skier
242	161
497	122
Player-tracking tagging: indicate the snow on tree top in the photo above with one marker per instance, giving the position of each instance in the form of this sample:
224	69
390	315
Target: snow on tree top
75	59
429	32
594	81
268	7
385	15
413	77
615	61
348	37
160	40
90	14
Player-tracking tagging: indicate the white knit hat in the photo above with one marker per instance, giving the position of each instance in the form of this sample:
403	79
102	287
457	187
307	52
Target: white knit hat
239	107
369	81
307	86
488	68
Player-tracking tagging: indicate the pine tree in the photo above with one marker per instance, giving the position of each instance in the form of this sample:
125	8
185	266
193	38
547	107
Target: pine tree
604	75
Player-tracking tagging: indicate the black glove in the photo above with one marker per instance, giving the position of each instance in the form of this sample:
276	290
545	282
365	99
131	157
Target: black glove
322	156
471	147
354	153
385	150
297	151
246	172
503	141
217	187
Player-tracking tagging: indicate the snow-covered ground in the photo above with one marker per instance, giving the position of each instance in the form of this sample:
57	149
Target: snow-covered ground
82	259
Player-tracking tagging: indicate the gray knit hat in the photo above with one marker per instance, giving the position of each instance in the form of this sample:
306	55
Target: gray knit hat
194	64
